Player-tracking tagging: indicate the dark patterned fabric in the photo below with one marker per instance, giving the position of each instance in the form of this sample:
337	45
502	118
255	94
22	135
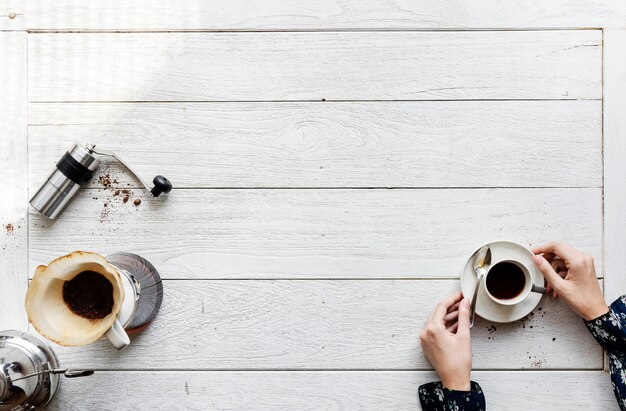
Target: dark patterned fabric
435	397
610	331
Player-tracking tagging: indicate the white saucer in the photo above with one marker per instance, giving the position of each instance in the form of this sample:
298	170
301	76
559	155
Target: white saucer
485	306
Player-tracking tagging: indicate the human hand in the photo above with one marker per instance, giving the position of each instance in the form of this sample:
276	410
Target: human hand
447	344
571	275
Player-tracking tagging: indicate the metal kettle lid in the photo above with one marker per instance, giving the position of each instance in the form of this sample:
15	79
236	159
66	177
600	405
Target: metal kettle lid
23	354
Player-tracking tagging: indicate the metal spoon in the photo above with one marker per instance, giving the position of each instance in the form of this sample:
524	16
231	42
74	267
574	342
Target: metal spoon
482	260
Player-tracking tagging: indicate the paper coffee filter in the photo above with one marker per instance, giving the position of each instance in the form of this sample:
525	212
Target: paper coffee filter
47	310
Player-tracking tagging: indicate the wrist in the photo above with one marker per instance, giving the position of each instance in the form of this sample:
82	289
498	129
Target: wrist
457	382
594	311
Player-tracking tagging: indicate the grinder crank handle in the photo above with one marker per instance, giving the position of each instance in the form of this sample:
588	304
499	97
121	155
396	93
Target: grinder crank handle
161	183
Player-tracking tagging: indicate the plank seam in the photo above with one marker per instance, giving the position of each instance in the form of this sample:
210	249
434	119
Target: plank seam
329	279
301	101
137	187
338	369
319	30
27	185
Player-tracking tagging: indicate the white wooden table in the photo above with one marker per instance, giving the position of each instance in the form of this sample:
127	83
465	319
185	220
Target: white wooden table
334	162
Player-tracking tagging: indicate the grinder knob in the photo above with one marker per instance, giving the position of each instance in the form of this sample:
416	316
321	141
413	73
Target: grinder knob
161	185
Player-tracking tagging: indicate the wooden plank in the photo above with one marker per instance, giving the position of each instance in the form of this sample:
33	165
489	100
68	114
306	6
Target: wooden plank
315	66
365	390
383	144
614	167
400	233
14	172
329	324
289	15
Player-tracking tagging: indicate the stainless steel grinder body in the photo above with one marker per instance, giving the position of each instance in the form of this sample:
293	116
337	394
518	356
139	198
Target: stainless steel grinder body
73	169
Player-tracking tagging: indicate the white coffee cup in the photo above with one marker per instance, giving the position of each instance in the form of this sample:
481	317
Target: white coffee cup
514	289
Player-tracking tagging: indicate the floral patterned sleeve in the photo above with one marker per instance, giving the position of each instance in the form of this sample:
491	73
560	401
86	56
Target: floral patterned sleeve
435	397
610	331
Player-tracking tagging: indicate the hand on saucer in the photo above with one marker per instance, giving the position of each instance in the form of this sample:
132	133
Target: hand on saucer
571	275
447	344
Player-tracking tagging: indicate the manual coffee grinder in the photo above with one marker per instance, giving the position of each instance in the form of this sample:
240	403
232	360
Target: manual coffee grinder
74	169
29	372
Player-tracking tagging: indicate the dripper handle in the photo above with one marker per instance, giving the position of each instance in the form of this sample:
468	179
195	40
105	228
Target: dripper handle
117	335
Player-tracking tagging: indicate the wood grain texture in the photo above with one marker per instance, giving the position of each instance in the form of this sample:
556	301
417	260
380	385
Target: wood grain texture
14	174
400	233
381	144
614	167
324	14
326	324
327	390
315	66
313	298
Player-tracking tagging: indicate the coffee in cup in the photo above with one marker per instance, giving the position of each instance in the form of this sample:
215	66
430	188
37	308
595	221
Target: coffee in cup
509	282
506	280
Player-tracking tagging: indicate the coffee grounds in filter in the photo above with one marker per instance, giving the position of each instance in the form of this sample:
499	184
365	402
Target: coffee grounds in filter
89	295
